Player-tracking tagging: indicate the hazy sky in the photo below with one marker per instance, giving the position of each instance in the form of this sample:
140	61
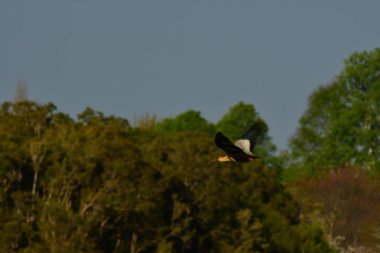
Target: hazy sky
128	58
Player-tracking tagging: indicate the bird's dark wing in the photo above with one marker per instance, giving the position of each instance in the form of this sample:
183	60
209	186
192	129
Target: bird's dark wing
256	130
224	143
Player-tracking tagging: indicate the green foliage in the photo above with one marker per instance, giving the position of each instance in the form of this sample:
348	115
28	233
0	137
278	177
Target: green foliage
341	125
97	185
190	120
237	120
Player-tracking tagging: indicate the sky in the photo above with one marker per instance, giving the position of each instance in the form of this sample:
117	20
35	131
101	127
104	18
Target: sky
164	57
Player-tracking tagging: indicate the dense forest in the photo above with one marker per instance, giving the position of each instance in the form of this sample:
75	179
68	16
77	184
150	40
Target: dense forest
100	183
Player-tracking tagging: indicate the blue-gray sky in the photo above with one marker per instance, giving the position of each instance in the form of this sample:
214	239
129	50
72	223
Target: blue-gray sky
130	57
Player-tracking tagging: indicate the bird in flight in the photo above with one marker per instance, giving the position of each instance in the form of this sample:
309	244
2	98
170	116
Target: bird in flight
241	151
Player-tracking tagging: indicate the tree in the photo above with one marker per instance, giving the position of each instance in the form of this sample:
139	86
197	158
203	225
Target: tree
21	92
238	119
146	121
187	121
22	161
341	125
347	202
97	185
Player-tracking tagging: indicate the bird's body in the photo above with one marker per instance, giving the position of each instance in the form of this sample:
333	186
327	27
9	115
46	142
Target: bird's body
241	151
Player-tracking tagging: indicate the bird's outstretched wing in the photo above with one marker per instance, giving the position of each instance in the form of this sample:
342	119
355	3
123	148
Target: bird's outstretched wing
249	139
224	143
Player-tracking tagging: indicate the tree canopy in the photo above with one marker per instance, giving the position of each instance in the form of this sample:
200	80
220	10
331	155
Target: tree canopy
341	126
190	120
100	184
96	184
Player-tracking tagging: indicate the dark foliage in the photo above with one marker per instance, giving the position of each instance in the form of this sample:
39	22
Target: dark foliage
98	185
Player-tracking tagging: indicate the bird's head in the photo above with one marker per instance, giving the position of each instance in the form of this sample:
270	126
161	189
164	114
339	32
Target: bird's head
225	159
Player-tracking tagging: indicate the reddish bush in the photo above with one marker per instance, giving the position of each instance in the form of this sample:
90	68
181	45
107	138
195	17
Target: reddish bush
348	201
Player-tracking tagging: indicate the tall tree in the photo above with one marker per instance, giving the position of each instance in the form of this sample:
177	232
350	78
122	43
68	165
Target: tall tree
98	185
342	124
347	203
238	119
21	92
190	121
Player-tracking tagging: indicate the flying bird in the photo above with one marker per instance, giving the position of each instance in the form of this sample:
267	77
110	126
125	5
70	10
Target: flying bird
242	150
